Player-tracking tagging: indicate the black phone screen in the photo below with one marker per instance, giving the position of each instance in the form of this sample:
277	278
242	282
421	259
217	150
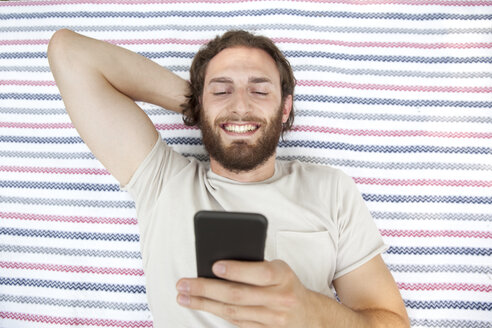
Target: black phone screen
228	236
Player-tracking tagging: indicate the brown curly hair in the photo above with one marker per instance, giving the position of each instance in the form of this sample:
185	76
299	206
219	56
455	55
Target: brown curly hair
230	39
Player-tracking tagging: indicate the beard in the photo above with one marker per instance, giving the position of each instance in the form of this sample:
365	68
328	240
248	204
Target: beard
241	156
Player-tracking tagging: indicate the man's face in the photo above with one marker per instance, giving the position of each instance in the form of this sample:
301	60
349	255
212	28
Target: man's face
242	108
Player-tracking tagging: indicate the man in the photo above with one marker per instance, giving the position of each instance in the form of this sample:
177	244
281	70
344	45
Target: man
240	94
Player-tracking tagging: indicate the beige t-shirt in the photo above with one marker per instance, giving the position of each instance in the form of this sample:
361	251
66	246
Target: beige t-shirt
317	223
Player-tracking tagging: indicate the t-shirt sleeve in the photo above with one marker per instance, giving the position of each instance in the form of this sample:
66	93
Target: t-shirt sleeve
359	238
151	176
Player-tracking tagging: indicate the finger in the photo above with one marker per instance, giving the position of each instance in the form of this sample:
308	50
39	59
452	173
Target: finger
224	291
263	273
239	315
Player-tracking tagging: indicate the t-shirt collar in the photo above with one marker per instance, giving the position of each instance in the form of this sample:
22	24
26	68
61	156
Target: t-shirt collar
215	177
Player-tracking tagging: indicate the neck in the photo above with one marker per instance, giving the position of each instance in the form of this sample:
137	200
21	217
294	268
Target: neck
260	173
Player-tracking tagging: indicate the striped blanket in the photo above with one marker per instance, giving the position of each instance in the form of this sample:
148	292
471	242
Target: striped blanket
397	93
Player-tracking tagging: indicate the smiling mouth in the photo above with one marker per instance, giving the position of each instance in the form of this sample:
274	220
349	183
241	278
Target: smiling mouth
244	129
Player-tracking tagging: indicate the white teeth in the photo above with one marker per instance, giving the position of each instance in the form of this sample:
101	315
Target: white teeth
239	128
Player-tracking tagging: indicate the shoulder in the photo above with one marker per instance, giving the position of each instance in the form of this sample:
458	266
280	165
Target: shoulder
298	169
323	182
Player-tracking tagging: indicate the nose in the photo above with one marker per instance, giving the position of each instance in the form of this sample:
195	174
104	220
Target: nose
240	105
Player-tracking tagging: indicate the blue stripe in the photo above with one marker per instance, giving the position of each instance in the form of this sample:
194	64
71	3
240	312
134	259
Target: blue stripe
457	305
287	143
69	234
381	58
250	27
378	148
201	156
23	55
70	251
33	111
238	13
24	68
43	154
295	54
310	98
61	185
298	112
365	116
449	323
382	72
68	202
485	217
315	68
375	165
42	140
152	55
393	102
130	204
117	288
91	304
31	96
439	251
426	199
415	268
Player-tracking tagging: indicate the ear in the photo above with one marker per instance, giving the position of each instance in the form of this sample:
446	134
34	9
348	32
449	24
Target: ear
287	108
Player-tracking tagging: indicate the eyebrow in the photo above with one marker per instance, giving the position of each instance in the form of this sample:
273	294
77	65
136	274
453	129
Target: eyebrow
250	80
220	80
259	80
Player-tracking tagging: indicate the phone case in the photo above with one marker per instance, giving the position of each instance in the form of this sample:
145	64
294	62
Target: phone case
228	236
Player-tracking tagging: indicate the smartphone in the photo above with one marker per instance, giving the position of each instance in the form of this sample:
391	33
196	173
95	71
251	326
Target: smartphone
228	236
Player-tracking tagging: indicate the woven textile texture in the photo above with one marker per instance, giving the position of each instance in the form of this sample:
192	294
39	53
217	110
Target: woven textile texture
396	93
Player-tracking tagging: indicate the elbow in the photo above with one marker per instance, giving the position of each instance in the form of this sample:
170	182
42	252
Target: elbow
405	321
398	319
401	320
58	45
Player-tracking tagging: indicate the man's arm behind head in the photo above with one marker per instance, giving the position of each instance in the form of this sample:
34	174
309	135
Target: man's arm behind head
99	83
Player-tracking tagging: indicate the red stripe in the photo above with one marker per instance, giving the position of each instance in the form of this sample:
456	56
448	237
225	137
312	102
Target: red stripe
175	126
21	125
61	218
27	82
469	45
74	321
53	170
411	88
424	182
436	233
71	268
300	128
391	133
158	41
114	41
445	286
349	2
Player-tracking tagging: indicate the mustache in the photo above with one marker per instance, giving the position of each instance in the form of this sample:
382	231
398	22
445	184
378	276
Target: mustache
238	119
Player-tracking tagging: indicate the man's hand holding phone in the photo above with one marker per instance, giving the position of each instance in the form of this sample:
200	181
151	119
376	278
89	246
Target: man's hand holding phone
252	294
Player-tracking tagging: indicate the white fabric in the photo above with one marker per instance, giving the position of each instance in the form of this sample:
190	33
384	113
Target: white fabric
395	93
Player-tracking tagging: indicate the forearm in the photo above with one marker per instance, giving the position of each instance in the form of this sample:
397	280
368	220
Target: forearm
131	74
327	312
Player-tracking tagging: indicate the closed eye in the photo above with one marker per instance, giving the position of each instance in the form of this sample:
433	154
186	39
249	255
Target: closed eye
261	93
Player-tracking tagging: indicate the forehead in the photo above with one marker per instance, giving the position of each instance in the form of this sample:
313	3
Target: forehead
242	63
